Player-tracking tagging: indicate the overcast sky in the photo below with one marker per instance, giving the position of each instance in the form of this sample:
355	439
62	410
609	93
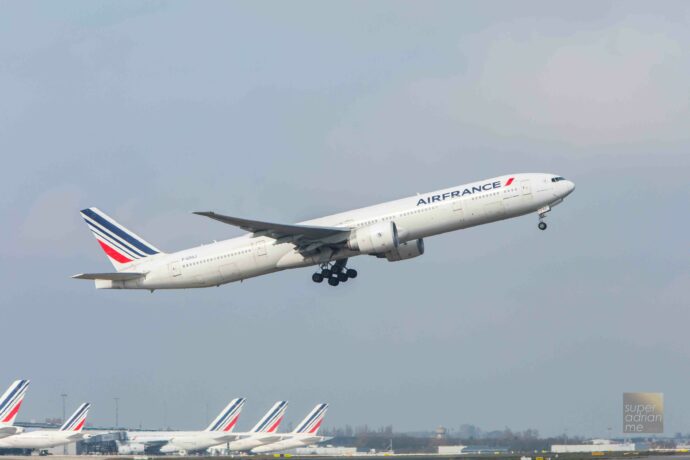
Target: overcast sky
291	110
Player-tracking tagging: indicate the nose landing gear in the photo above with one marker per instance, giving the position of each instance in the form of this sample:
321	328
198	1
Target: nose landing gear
335	273
542	214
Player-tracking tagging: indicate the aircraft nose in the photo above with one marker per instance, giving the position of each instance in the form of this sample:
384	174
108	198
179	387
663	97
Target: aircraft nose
568	187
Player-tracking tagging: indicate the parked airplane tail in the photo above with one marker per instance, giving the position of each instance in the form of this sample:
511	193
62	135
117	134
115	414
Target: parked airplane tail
227	419
77	420
271	421
122	246
11	401
312	422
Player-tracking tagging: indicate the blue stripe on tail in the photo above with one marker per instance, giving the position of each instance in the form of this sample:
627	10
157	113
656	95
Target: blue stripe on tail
119	232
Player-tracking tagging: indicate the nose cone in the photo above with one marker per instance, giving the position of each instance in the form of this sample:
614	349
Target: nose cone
567	187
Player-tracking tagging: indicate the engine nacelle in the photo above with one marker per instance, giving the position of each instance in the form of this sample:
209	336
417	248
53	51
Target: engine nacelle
406	250
375	239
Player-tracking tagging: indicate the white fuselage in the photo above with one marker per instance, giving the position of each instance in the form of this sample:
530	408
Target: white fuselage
293	442
253	440
415	217
235	442
168	436
192	443
41	439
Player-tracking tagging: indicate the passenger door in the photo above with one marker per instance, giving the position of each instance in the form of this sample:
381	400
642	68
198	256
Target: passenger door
174	268
526	191
259	248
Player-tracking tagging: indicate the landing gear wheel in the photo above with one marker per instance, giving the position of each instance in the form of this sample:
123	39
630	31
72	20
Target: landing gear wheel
317	277
333	281
351	273
326	272
342	277
542	225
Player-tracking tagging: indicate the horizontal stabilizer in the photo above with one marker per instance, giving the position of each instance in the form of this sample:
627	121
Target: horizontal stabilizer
121	276
269	439
10	430
278	230
313	439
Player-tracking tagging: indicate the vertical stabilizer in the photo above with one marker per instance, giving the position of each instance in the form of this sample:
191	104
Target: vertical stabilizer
312	422
11	401
121	245
227	419
271	421
77	420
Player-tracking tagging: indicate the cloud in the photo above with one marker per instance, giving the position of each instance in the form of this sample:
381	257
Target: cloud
619	83
50	225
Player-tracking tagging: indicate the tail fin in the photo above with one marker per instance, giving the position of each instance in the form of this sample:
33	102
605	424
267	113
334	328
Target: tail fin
11	401
121	245
312	422
227	419
77	420
270	422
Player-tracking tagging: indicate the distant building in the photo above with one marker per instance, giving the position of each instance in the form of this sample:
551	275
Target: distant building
451	450
327	451
596	445
441	432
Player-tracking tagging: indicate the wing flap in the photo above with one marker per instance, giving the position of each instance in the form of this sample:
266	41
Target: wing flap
275	230
121	276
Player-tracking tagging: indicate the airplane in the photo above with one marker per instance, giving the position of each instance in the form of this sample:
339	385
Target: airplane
302	436
218	431
394	230
10	402
264	432
70	431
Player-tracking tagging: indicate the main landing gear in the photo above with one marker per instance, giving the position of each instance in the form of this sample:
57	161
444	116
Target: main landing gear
335	273
542	214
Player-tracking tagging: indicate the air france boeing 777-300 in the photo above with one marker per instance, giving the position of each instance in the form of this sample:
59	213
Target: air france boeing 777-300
394	230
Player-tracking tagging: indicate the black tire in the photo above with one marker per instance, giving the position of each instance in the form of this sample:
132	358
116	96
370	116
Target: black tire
342	277
351	273
317	278
326	272
333	281
542	225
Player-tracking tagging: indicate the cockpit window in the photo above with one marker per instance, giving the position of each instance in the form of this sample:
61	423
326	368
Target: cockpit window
557	179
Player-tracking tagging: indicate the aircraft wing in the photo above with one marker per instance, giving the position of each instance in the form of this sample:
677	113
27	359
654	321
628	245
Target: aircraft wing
277	231
121	276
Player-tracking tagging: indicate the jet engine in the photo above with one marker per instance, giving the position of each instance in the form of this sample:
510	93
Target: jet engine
406	250
377	238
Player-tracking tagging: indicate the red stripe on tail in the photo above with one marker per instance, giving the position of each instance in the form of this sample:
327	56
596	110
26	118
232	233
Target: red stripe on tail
112	253
80	426
316	427
12	413
231	424
275	425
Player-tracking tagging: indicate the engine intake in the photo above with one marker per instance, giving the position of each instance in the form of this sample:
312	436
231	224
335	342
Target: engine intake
374	239
406	250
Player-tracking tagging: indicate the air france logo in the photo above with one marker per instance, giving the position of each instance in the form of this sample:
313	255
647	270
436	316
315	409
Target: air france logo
467	191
